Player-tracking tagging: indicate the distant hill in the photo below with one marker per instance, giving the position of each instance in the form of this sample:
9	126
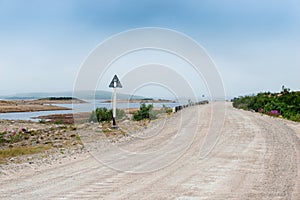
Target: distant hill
99	94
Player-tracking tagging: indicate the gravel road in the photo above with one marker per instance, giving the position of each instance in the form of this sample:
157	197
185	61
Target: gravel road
255	157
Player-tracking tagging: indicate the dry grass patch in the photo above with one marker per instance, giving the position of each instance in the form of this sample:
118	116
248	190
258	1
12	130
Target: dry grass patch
19	151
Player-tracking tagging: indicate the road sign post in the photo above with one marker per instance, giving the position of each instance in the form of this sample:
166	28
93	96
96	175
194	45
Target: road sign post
115	83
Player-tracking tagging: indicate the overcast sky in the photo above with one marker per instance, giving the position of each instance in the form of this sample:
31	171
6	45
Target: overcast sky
255	44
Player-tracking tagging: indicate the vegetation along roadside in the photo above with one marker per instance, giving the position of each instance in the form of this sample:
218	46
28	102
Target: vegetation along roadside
285	104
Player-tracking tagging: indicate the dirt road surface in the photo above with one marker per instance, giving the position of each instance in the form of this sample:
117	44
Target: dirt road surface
255	157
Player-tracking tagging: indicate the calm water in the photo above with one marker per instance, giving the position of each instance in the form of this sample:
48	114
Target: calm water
87	107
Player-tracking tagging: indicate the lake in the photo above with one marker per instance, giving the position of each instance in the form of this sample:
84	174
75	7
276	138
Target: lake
86	107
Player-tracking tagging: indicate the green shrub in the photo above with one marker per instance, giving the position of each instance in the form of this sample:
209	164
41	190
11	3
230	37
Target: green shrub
105	115
145	112
42	121
286	103
295	117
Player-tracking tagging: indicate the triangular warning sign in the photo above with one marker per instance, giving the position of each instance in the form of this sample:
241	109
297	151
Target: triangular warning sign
118	83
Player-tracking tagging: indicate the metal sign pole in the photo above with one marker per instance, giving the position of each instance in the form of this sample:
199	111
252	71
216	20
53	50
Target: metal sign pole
115	104
115	83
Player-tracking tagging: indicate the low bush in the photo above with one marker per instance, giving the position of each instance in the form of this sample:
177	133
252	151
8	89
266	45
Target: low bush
105	115
145	112
42	121
285	104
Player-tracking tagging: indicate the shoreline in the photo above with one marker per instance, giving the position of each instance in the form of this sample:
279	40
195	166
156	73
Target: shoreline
140	101
30	108
13	106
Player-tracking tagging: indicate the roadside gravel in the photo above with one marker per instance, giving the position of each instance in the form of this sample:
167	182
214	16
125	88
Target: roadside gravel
256	157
